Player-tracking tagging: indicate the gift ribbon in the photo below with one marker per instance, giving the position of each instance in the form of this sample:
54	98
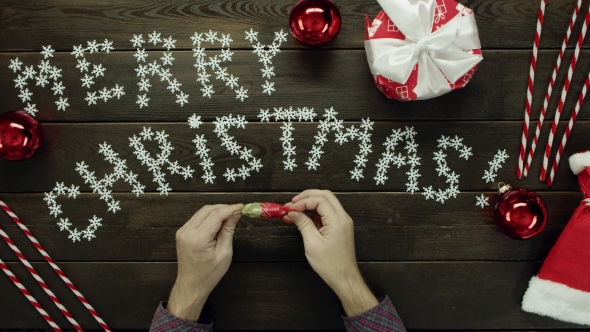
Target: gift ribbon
440	55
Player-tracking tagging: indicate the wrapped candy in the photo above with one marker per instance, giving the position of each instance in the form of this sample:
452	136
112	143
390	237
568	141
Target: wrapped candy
420	49
264	210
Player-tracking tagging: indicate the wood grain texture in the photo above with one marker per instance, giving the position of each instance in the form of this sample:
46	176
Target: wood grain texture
312	79
427	295
28	26
388	226
66	144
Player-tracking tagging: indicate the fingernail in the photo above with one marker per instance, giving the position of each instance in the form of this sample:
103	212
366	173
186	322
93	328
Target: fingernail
293	215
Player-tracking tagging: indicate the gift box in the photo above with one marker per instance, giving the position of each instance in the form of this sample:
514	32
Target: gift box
420	49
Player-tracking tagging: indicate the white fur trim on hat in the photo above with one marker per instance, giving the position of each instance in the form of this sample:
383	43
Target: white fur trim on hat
549	298
579	160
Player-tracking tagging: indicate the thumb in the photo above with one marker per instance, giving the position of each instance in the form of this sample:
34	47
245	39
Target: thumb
304	224
226	233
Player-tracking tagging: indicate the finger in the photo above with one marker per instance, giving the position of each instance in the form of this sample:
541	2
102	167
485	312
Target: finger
212	223
320	204
317	192
305	226
225	236
197	219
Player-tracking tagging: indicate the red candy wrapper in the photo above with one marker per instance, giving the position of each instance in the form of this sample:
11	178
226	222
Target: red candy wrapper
264	210
420	49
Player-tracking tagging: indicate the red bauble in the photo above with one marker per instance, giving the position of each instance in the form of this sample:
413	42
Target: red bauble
20	135
315	23
520	214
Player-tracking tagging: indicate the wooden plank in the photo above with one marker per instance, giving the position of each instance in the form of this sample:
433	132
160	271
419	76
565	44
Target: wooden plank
66	144
388	226
310	79
27	26
427	295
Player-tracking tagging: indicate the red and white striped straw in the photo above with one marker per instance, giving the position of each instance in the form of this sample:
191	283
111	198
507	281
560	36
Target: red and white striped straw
29	297
39	280
529	95
54	266
550	87
568	130
563	96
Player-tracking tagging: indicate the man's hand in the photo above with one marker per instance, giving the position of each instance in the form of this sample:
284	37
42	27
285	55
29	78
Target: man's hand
204	249
329	247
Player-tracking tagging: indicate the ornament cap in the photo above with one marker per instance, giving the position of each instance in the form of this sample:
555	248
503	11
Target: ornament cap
503	187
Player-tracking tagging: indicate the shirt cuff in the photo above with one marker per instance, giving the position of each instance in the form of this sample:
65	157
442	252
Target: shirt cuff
382	317
165	321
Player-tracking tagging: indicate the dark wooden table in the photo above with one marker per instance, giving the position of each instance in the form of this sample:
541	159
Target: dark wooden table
444	266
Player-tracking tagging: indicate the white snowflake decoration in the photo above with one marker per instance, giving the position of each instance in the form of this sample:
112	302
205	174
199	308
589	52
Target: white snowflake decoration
214	63
482	201
495	164
103	187
452	178
390	158
265	55
287	115
93	71
42	77
222	125
144	71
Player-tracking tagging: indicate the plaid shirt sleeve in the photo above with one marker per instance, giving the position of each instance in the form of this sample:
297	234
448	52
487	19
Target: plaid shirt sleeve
381	318
164	321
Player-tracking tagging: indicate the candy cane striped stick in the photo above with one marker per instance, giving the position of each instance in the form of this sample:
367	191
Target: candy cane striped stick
40	281
529	95
29	297
566	86
53	265
550	87
568	130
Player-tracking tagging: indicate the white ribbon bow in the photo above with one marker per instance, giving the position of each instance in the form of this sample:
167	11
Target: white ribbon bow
440	55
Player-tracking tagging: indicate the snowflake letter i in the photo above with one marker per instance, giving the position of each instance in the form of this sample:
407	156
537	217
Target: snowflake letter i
46	72
95	71
155	68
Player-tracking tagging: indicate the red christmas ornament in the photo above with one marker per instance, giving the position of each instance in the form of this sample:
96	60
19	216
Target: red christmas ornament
520	214
315	23
20	135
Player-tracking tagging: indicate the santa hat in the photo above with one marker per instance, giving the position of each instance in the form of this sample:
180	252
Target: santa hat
562	288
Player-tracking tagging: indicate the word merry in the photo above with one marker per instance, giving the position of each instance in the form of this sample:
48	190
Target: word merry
207	66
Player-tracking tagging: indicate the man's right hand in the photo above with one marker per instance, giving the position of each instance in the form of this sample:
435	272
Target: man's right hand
329	247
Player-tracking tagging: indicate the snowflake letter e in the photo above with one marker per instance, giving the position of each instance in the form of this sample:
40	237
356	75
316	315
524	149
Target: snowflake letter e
443	169
389	158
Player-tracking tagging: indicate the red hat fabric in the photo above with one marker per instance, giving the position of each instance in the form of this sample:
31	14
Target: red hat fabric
562	288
